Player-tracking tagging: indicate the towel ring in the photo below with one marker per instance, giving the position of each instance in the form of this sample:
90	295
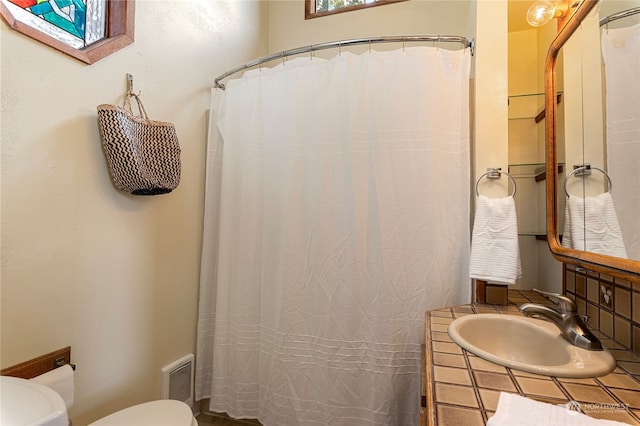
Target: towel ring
585	170
493	173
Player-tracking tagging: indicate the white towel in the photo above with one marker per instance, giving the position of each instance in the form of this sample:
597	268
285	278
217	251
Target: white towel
517	410
495	255
567	241
593	219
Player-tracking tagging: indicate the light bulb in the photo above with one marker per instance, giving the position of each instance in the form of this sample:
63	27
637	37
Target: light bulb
541	12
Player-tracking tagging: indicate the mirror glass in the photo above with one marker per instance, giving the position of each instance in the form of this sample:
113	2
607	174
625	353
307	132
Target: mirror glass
598	132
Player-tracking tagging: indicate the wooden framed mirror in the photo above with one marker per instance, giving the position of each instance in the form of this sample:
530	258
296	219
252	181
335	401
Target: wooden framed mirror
592	137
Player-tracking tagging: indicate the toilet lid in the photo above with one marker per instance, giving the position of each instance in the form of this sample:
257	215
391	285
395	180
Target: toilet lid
165	412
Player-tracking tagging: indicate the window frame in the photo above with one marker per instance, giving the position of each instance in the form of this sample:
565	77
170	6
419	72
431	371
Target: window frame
119	34
310	7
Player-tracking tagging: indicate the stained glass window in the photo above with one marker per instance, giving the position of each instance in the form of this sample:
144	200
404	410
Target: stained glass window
77	23
315	8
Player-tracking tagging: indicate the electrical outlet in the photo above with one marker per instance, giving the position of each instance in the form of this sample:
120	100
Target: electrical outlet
606	295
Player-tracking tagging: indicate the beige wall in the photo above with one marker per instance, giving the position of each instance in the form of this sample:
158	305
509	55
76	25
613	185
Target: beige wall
491	84
289	29
114	276
527	54
524	145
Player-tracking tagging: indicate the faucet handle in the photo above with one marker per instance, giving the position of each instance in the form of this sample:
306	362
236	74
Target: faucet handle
564	303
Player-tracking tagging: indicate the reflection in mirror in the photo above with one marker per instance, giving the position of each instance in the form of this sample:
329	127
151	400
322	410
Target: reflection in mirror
621	62
574	66
600	68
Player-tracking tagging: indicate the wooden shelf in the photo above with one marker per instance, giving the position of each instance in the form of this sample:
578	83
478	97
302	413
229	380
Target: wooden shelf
542	176
540	116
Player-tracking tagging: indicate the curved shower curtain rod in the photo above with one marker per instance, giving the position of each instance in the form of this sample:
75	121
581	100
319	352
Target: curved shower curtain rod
344	43
619	15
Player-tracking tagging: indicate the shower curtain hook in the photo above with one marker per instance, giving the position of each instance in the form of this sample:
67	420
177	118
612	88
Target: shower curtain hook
369	45
403	43
340	48
283	56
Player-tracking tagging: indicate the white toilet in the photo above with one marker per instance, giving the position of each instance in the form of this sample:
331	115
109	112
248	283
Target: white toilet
25	402
155	413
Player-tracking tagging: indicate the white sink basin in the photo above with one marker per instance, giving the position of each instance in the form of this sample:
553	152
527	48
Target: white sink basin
25	402
527	344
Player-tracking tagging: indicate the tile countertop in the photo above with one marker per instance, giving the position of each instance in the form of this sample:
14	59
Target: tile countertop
459	388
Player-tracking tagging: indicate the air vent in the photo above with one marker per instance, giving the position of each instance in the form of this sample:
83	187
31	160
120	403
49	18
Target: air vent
177	380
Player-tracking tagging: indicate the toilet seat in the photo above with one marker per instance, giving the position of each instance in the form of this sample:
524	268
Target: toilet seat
164	412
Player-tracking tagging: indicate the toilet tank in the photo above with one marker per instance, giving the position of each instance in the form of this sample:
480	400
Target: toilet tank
24	402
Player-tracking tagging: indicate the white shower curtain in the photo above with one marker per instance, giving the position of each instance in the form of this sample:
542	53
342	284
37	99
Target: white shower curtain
337	213
621	56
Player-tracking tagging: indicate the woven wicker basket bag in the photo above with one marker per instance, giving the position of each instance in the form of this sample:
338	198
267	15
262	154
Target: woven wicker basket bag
143	155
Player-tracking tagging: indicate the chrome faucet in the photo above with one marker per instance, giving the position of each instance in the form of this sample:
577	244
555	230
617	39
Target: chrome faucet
566	318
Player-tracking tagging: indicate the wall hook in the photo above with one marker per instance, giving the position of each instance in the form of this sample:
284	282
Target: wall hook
130	84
